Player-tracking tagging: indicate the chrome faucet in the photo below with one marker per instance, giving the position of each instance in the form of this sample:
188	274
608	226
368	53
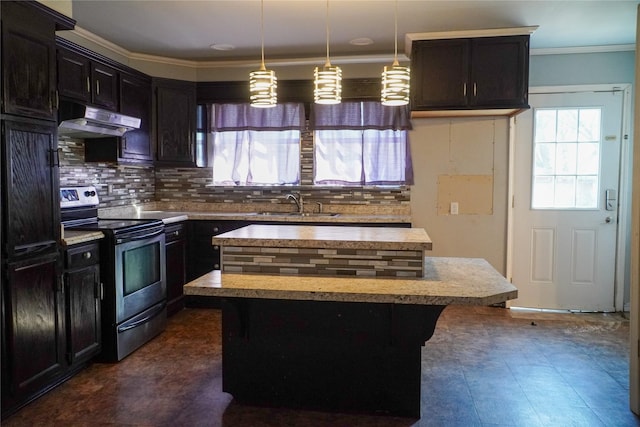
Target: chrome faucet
297	198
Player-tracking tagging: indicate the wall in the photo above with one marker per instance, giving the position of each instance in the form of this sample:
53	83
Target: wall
581	68
474	150
634	333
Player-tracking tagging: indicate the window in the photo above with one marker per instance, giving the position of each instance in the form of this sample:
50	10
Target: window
256	157
256	146
566	158
361	143
361	157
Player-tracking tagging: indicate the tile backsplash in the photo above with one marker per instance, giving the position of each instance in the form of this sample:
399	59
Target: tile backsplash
126	185
117	185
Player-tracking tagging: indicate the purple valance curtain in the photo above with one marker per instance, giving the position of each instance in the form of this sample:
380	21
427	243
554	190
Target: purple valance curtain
359	115
238	117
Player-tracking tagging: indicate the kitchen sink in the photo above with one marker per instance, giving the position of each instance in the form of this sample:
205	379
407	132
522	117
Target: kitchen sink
303	214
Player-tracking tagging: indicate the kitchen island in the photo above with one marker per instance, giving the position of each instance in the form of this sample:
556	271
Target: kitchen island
334	339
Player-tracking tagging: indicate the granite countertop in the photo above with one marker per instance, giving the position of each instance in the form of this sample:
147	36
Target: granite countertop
464	281
174	216
74	237
311	236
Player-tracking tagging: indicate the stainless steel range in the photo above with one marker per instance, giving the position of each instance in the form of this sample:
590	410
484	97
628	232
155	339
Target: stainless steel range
132	269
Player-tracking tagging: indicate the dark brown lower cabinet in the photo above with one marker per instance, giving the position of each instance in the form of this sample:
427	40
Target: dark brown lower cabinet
51	322
176	254
83	292
33	330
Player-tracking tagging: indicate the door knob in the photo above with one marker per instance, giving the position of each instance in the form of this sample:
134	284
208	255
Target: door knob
608	220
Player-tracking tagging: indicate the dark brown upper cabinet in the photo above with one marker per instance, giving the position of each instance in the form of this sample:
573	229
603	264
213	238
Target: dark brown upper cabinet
28	59
134	146
74	76
135	101
84	80
88	77
175	122
104	86
482	73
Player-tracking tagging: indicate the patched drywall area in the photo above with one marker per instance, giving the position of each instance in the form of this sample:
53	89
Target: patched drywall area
465	195
462	161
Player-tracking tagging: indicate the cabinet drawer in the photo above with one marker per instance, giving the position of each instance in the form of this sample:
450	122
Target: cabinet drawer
174	232
82	255
213	228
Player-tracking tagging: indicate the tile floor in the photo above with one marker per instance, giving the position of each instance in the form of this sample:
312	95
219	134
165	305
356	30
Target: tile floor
483	367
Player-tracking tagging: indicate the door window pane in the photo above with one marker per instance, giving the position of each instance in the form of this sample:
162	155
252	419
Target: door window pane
567	126
545	159
566	161
545	126
586	191
588	158
589	130
542	192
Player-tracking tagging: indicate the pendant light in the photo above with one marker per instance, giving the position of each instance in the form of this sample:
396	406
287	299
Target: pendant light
263	83
328	79
395	79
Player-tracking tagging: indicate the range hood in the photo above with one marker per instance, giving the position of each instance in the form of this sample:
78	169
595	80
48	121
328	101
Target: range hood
82	121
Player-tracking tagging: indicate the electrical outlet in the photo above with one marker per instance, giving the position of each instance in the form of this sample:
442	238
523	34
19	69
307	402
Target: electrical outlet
454	208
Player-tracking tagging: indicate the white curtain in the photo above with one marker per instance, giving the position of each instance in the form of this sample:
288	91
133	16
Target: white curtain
362	157
256	157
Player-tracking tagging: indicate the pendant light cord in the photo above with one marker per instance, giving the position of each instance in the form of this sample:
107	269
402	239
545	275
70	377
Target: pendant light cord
328	63
262	67
395	38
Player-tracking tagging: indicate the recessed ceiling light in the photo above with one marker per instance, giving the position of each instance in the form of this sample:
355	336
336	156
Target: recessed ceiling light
222	46
361	41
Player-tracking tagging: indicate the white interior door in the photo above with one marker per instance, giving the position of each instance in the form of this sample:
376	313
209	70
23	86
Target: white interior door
567	159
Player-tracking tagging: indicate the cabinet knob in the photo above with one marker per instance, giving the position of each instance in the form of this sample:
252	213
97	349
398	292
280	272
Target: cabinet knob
215	229
86	255
216	247
176	233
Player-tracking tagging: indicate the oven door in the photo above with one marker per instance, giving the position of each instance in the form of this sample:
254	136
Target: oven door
140	275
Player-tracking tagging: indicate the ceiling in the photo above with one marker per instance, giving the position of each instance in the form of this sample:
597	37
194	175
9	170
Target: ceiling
297	28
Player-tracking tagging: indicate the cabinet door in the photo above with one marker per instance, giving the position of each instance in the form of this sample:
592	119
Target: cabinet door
500	71
105	86
82	289
74	75
135	101
439	74
176	250
28	62
175	123
203	256
31	200
33	338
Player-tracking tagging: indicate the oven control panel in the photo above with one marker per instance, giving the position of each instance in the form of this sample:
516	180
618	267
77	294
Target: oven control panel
71	197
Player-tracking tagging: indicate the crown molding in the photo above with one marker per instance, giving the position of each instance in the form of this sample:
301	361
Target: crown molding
347	59
409	38
583	49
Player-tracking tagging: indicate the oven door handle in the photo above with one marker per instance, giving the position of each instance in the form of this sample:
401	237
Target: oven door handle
140	236
156	310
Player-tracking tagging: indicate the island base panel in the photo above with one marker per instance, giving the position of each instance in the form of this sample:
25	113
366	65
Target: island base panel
335	356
